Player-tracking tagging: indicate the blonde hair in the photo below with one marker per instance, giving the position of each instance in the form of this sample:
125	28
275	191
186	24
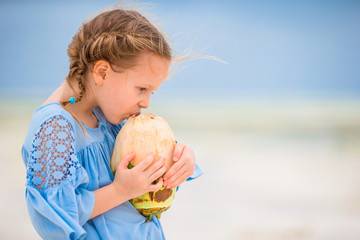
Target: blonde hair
119	37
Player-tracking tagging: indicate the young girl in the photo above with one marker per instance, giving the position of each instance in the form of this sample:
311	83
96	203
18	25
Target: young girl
116	61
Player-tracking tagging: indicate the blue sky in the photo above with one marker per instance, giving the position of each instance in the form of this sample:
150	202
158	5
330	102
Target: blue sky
272	47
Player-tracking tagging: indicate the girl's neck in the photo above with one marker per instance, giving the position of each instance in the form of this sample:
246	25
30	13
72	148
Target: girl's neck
81	110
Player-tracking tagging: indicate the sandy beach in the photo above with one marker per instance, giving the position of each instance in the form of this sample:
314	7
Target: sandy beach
272	170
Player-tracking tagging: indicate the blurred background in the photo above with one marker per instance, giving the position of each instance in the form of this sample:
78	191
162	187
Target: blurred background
276	130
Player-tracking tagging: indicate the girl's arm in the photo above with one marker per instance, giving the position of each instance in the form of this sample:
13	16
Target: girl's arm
129	183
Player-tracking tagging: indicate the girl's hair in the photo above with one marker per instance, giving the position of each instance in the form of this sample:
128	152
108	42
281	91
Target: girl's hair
118	37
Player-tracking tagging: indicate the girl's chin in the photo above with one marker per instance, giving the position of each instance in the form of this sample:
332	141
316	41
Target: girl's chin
117	122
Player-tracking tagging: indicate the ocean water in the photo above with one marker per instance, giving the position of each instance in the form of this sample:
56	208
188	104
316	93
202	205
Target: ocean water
272	169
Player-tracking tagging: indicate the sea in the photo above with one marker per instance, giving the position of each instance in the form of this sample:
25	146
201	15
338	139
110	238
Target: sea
274	168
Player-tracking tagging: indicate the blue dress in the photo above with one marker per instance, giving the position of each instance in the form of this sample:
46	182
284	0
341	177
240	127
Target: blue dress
64	167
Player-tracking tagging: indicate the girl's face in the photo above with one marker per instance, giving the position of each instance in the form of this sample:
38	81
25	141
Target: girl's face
123	94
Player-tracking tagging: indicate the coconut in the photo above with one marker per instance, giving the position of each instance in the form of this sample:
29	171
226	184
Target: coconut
144	134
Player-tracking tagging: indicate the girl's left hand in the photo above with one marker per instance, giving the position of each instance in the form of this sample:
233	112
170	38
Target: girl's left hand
183	167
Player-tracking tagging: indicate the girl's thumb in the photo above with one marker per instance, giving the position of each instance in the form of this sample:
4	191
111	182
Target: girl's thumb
179	149
126	160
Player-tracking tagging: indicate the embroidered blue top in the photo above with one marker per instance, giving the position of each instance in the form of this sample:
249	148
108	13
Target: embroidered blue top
63	170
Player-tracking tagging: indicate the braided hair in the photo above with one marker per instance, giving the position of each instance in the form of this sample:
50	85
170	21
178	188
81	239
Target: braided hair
118	37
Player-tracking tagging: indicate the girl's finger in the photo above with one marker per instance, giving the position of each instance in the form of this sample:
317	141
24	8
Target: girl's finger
157	186
158	173
155	166
178	151
173	169
170	181
146	162
125	161
182	178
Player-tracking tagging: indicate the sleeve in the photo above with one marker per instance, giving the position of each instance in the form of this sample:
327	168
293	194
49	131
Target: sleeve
58	203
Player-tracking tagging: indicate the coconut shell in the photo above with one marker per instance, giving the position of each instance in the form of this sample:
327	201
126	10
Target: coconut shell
144	134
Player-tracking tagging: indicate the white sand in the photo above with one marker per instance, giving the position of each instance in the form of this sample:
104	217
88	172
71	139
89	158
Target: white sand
272	171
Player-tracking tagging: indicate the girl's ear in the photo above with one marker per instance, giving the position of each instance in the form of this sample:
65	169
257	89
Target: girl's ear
101	68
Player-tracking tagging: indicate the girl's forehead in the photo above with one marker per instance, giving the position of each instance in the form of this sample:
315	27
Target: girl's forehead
152	62
145	78
147	81
150	70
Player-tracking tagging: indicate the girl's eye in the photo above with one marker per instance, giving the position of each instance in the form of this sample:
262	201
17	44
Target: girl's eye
144	90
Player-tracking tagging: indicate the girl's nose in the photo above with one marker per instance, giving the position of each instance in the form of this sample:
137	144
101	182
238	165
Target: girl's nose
144	103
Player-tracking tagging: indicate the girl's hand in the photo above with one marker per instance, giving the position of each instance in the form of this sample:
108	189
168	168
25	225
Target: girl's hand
138	180
183	167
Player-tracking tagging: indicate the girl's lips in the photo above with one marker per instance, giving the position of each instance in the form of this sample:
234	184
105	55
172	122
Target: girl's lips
135	114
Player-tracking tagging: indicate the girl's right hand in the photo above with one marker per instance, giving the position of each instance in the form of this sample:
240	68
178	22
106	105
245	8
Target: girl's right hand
139	179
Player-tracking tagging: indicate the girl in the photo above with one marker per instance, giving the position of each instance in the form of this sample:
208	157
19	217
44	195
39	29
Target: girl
116	61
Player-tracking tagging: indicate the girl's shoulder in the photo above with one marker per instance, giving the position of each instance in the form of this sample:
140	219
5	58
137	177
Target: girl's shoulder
49	111
54	115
